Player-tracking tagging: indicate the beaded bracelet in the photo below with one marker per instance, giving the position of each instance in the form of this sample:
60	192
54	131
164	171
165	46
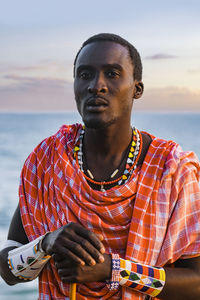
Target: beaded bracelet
143	278
113	284
27	261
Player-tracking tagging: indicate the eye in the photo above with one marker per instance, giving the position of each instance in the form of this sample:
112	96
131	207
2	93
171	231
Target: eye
112	74
85	75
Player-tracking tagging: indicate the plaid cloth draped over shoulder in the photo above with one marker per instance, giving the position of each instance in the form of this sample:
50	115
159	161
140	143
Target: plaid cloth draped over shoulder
153	219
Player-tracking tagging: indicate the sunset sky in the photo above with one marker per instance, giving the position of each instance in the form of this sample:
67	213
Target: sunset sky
39	40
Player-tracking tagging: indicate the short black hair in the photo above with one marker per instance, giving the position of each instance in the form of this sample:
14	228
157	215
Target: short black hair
134	54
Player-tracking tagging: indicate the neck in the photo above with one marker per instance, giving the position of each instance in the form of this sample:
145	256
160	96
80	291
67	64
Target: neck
107	142
104	150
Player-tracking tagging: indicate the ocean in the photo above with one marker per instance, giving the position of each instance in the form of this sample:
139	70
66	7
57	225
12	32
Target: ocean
21	132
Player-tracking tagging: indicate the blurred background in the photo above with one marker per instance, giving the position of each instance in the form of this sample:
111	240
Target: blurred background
39	40
38	43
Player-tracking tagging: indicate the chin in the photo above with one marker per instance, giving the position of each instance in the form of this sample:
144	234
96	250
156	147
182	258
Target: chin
98	124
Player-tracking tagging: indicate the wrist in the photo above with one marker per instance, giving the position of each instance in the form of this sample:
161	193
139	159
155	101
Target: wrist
108	262
143	278
113	283
44	243
21	260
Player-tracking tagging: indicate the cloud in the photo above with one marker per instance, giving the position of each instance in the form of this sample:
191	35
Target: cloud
52	94
10	68
193	71
54	68
161	56
169	99
36	94
22	82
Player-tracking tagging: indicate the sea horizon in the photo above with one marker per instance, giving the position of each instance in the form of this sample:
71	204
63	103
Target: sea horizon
21	132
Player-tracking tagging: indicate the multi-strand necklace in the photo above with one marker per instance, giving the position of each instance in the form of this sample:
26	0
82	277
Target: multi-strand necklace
133	151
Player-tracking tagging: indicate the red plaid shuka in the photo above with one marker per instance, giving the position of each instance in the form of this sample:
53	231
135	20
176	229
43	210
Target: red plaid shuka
153	219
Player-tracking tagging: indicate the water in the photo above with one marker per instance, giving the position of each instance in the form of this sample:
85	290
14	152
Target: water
20	133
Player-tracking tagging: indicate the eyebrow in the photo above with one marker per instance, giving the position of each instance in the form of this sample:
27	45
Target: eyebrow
105	66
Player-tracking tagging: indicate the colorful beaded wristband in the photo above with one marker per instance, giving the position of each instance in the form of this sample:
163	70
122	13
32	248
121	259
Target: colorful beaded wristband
27	261
113	284
143	278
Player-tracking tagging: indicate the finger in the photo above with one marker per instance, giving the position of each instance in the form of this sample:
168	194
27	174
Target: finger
100	236
58	257
91	237
90	249
65	264
72	249
66	272
77	250
69	279
66	252
68	275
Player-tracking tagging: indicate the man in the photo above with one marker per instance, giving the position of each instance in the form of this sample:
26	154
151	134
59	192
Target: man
104	205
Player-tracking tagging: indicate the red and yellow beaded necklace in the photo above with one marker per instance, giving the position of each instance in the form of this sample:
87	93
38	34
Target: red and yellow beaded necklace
131	163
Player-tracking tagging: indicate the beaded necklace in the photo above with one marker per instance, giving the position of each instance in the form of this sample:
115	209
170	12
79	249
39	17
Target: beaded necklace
131	163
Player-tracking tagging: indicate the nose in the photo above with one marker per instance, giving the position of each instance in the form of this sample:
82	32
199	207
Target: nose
93	90
97	85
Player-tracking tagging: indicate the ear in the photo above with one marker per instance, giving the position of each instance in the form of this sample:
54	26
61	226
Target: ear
139	88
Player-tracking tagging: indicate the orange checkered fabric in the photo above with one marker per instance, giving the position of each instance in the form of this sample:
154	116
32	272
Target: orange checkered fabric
153	219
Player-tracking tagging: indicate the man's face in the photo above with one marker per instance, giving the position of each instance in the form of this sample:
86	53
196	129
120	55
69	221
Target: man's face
104	86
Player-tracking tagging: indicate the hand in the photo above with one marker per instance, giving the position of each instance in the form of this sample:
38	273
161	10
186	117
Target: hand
75	243
71	272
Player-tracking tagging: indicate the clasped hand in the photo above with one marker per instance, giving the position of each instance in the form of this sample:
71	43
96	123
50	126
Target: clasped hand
79	254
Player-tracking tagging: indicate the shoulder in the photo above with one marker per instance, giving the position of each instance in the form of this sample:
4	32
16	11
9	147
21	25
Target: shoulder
181	162
63	139
157	155
171	158
158	146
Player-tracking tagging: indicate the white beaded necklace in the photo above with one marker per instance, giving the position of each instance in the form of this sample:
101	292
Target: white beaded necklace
131	161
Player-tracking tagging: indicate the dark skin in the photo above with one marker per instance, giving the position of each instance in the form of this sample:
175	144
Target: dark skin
182	281
104	90
102	77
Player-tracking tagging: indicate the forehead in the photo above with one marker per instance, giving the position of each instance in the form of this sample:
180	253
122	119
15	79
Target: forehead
104	52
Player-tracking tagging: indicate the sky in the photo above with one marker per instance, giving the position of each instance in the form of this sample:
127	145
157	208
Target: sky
39	40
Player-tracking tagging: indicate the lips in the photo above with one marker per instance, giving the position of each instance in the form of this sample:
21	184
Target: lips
96	104
96	101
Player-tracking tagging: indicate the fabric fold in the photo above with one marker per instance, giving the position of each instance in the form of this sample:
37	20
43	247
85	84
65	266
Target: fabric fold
135	219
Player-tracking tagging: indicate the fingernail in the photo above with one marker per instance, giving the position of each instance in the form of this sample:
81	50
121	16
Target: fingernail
82	263
101	258
92	262
100	237
102	250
